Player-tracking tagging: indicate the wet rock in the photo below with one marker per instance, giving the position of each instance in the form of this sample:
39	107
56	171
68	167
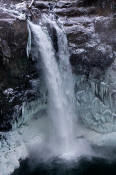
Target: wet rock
30	95
10	103
74	11
41	4
89	44
15	66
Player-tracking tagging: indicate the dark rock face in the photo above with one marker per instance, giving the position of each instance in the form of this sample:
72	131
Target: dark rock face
91	29
13	39
87	46
15	68
84	22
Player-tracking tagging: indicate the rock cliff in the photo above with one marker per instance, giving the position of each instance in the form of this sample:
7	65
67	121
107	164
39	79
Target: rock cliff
90	26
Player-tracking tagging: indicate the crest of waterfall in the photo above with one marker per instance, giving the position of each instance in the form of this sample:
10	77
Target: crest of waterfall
59	81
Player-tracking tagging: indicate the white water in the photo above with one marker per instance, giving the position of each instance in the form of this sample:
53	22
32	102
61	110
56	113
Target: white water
60	89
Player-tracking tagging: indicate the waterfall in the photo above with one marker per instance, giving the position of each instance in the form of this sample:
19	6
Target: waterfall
59	81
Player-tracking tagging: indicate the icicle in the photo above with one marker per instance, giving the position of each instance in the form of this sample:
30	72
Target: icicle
28	49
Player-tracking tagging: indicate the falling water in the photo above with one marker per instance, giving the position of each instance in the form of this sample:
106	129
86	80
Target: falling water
59	81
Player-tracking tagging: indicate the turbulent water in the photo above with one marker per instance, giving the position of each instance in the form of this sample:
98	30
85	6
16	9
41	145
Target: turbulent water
60	88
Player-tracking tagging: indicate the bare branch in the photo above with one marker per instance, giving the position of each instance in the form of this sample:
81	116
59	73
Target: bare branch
29	8
30	5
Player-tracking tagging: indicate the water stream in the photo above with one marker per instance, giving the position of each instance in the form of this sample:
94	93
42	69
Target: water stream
60	86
